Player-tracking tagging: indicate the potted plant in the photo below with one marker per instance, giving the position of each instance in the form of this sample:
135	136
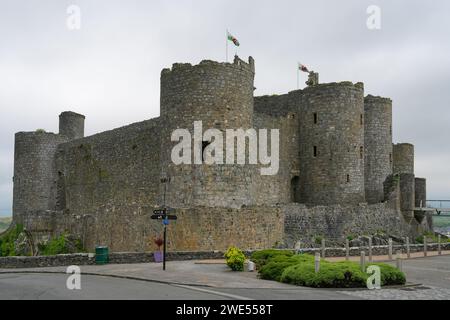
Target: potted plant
158	255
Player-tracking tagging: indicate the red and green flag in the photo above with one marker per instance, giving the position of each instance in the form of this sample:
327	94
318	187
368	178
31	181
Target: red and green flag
233	39
302	67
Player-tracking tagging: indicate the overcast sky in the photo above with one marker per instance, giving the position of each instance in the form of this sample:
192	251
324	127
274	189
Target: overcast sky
109	69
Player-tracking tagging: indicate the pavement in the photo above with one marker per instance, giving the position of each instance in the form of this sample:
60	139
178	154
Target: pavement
428	278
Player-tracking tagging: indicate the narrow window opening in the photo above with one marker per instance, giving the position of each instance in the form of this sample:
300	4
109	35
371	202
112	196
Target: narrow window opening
361	152
295	189
390	157
361	119
315	118
348	178
315	151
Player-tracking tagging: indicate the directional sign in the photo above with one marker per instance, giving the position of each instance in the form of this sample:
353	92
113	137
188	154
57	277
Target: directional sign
163	216
163	210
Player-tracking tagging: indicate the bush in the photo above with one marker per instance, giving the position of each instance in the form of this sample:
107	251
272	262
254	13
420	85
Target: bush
276	265
235	259
331	275
260	257
299	270
60	245
7	241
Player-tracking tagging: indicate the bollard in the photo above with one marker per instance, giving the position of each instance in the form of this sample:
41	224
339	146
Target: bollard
323	248
408	250
398	259
439	245
317	262
370	249
425	249
362	261
390	249
347	249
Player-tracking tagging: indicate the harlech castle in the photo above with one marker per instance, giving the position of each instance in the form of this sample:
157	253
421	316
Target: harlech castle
339	172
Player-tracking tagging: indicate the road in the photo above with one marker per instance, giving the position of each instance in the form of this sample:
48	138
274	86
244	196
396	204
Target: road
433	273
37	286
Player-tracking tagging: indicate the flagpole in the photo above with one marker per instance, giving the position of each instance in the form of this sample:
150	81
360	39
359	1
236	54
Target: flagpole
226	46
298	80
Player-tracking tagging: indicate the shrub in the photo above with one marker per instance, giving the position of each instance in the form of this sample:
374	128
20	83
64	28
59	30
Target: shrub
299	270
331	275
274	268
61	245
7	241
260	257
235	259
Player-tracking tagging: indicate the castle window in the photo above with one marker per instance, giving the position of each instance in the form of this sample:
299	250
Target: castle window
315	118
295	192
315	151
390	157
348	178
361	119
361	152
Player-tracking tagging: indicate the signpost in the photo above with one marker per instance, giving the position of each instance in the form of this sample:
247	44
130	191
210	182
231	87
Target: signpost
163	214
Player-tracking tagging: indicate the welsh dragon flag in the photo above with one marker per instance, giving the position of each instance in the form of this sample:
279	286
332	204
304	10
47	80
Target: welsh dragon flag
302	67
233	39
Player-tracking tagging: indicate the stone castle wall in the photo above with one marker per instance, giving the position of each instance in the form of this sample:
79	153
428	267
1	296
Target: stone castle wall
221	96
34	172
378	146
104	188
331	143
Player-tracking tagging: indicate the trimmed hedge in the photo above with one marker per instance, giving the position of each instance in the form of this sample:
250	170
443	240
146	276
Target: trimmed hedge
299	270
260	257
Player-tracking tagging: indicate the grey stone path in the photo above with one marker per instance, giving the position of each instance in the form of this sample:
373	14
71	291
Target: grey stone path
414	293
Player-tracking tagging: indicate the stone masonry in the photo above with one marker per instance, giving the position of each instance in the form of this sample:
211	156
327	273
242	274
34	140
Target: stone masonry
339	172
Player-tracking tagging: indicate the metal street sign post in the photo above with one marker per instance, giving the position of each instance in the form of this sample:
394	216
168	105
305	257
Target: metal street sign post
162	214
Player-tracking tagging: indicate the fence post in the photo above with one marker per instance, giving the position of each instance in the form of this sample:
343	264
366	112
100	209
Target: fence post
439	245
370	249
362	261
425	249
399	260
390	249
347	249
408	250
323	248
317	262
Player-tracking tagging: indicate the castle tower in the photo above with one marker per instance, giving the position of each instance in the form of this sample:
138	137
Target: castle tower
220	95
420	190
34	173
378	146
404	167
71	125
331	134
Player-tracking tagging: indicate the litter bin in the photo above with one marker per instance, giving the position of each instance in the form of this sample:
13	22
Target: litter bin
101	255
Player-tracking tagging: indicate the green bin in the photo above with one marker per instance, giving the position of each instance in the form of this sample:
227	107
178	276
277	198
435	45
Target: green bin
101	255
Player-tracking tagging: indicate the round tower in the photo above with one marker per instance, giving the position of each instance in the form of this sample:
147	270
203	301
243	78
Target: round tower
217	96
331	134
378	146
404	167
71	125
34	173
403	158
420	190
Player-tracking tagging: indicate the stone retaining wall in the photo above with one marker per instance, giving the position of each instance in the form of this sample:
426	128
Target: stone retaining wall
146	257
